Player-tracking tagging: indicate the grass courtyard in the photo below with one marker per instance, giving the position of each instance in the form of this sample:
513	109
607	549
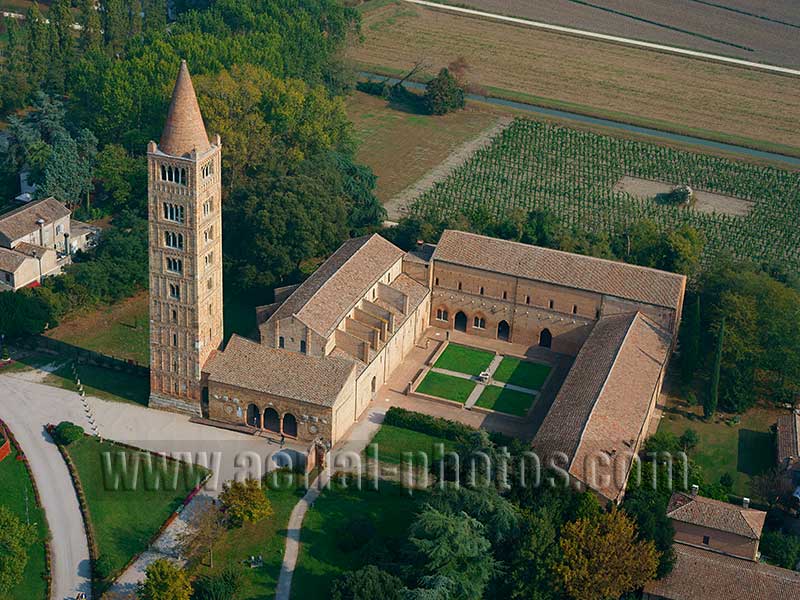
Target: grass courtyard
390	509
391	445
464	359
127	507
505	400
522	373
266	538
446	386
743	449
18	496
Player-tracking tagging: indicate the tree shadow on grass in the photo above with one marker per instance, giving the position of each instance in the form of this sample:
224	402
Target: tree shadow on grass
755	452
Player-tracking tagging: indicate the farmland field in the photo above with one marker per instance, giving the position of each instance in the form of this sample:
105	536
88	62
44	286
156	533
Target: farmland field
572	173
757	30
667	92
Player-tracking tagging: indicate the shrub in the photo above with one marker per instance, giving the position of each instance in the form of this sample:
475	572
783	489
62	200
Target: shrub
688	440
67	433
225	585
103	567
781	549
435	426
368	583
444	94
245	502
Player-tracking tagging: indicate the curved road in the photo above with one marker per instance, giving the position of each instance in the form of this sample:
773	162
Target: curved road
27	409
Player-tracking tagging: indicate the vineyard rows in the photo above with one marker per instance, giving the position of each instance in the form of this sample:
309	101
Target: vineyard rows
571	173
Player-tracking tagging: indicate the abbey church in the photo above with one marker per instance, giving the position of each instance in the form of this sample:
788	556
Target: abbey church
325	347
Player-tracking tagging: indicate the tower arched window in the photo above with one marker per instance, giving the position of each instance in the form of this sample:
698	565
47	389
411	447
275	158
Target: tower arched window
173	240
174	291
163	172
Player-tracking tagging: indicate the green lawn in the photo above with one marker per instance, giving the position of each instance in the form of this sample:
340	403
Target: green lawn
103	383
505	400
391	510
523	373
17	495
446	386
464	360
128	509
742	450
266	538
394	442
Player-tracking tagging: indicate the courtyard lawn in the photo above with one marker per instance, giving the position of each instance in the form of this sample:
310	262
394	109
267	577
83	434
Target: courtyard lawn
104	383
523	373
742	450
392	443
17	495
127	509
121	330
391	510
504	400
266	539
446	386
463	359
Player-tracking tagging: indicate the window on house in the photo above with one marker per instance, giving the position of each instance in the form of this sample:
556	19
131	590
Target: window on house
173	240
207	170
436	281
174	265
505	295
174	291
59	229
597	313
175	315
281	342
210	310
9	279
174	212
574	309
479	323
459	286
527	299
481	291
174	339
551	304
206	208
210	283
303	346
441	315
706	540
208	234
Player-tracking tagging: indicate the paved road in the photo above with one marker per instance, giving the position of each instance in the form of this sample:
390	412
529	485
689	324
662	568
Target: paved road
27	407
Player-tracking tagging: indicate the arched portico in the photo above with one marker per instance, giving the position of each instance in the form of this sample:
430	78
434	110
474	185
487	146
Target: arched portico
272	420
253	416
289	425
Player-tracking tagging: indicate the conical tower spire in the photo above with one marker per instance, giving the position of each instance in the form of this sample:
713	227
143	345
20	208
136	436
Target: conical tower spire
184	130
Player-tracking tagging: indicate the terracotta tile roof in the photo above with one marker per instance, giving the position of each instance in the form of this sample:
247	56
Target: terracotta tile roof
184	129
323	299
597	275
11	260
247	364
705	575
714	514
23	221
602	408
32	250
788	437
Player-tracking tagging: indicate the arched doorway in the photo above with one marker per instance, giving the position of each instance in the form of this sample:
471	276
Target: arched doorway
461	321
545	338
272	420
289	425
503	330
253	415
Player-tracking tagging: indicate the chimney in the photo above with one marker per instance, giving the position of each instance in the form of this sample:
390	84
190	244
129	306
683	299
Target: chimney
695	490
745	502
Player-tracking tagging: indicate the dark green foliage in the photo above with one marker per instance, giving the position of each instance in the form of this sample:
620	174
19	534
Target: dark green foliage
367	583
644	243
66	433
781	549
225	585
485	504
688	440
690	340
444	94
648	508
355	533
710	405
26	312
103	566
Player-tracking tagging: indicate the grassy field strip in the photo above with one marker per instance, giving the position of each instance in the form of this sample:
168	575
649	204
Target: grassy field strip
609	38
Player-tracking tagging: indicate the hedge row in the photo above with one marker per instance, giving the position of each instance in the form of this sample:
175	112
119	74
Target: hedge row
435	426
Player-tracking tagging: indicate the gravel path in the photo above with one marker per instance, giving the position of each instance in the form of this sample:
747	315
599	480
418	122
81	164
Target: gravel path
397	207
27	407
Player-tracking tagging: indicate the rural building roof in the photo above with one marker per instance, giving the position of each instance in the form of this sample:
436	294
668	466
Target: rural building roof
23	221
250	365
184	130
714	514
322	300
11	260
788	437
701	574
598	275
602	408
32	250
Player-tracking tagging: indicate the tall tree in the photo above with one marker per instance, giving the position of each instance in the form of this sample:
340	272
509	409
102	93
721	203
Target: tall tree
603	558
91	36
62	45
155	15
710	406
691	333
38	45
116	24
15	84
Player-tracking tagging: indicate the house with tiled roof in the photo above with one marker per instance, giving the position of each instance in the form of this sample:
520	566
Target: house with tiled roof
788	438
716	554
37	240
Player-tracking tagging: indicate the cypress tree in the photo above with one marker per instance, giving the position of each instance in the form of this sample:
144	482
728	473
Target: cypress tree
38	45
691	344
710	406
91	35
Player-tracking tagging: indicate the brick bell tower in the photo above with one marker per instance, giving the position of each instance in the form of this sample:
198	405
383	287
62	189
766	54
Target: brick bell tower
185	223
